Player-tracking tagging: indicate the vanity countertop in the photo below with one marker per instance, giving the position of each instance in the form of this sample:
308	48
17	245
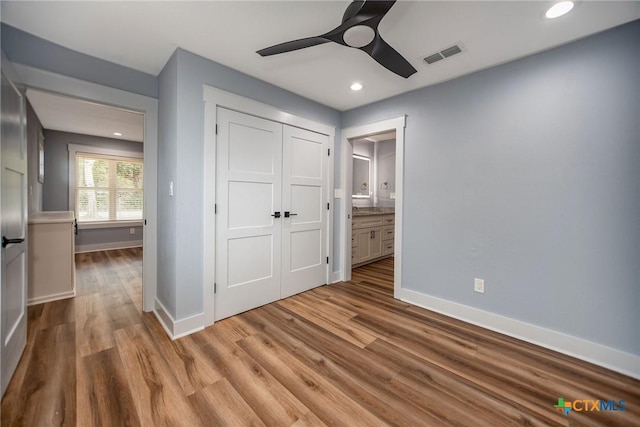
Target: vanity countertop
372	211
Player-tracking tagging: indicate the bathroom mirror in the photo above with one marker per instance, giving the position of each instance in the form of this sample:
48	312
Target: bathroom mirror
361	177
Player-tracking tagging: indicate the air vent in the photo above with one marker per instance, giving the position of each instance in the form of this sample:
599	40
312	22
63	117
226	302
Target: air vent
443	54
433	58
450	51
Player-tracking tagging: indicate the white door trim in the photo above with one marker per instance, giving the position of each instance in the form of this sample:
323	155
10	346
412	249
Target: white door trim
397	124
214	98
63	85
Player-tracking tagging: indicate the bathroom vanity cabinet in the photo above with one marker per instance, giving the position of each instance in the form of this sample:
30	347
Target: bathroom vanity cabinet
372	237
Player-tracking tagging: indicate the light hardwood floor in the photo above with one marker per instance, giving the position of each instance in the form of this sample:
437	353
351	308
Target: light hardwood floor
346	354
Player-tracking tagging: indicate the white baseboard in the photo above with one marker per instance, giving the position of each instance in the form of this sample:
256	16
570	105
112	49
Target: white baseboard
108	246
598	354
178	328
52	297
334	277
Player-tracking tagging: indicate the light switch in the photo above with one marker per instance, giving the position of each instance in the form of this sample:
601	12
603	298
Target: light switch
337	193
171	189
392	196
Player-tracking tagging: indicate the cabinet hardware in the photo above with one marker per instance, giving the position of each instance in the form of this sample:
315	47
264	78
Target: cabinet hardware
276	214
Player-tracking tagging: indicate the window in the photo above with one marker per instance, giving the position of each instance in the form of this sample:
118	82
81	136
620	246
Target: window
108	188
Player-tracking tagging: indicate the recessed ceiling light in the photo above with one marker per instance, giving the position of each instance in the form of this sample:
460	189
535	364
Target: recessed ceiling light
356	86
117	134
559	9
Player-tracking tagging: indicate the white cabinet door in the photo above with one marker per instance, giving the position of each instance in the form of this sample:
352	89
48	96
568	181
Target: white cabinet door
304	203
376	243
13	178
363	236
248	193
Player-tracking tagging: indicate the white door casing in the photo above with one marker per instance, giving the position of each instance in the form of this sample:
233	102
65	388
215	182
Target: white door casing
304	196
13	292
249	192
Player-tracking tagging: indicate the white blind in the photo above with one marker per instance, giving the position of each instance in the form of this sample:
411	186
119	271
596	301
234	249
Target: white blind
108	188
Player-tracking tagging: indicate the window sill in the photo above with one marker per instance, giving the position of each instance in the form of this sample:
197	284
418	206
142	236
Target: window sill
108	224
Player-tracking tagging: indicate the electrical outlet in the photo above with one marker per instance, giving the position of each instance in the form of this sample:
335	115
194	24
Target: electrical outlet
132	230
478	285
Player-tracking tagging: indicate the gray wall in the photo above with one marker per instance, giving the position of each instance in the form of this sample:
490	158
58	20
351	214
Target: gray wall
386	166
528	175
56	181
27	49
186	169
34	188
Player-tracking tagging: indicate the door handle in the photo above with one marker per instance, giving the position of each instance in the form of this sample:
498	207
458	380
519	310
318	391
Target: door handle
6	241
276	214
287	214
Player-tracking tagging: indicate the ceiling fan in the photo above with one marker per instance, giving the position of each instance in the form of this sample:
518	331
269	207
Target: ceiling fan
359	29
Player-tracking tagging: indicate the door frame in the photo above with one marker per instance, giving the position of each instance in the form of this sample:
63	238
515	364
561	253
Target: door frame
38	79
214	98
398	124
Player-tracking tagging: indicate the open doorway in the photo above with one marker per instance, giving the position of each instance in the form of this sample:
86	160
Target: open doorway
36	79
86	164
372	171
373	209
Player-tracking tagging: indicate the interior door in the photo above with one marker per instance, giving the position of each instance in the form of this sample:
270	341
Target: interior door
248	229
304	205
13	291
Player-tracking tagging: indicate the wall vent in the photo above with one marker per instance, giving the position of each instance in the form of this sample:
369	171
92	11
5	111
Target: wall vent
443	54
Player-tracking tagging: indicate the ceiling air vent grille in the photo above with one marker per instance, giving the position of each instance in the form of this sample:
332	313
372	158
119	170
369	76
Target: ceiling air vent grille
443	54
433	58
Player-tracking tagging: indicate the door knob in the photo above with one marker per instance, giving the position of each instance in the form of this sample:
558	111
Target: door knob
6	241
276	214
287	214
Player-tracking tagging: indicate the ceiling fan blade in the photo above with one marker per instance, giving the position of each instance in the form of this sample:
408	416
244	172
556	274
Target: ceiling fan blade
373	7
389	58
292	45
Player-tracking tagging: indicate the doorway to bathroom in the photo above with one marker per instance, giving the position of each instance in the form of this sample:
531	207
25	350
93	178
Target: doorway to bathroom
372	160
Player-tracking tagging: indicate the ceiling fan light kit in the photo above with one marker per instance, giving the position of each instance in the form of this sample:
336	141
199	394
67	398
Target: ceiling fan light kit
359	30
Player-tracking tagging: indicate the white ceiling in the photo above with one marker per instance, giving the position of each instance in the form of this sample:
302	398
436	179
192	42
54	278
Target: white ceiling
73	115
142	35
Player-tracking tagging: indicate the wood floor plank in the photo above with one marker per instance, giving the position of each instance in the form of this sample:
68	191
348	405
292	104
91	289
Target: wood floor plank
51	401
12	397
220	405
342	329
93	326
269	399
330	404
188	362
104	396
156	392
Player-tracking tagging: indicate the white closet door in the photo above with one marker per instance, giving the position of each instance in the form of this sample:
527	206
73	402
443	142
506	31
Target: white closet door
248	193
304	196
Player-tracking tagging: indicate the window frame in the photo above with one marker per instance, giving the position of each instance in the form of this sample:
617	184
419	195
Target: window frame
74	149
